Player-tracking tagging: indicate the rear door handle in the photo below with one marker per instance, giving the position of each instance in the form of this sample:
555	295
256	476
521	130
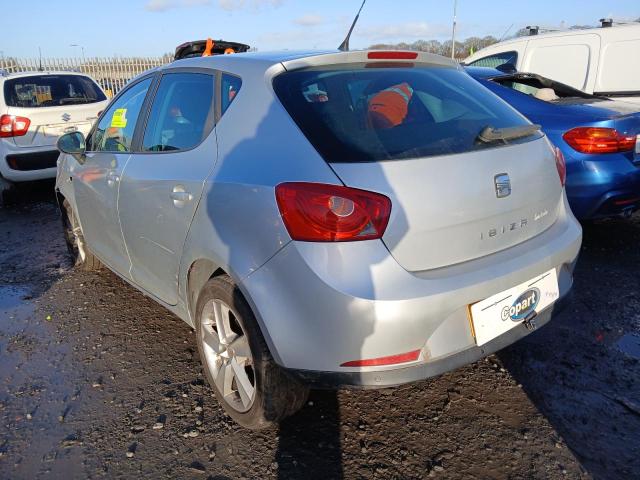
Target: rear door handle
180	196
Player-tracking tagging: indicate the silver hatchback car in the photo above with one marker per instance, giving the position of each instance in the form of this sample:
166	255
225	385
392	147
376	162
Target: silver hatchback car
359	219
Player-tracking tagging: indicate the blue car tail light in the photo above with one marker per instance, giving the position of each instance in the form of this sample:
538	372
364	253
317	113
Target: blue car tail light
599	140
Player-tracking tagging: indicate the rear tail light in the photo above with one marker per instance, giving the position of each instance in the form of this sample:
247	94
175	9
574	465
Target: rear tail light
13	126
316	212
561	165
390	360
599	140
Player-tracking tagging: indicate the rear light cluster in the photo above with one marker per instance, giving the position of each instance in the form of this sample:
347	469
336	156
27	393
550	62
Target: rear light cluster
561	165
316	212
599	140
13	126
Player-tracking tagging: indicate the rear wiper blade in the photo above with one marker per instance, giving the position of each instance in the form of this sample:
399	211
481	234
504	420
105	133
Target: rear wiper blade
490	134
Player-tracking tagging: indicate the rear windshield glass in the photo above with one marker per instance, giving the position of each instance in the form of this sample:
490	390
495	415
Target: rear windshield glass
351	113
51	91
545	89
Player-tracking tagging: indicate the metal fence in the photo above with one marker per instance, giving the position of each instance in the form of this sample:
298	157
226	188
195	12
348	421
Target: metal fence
111	73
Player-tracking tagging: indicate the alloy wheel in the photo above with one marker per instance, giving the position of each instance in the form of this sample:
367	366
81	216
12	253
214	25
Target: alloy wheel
228	356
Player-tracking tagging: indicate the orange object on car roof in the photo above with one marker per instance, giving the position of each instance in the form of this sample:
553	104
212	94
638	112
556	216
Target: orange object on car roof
208	47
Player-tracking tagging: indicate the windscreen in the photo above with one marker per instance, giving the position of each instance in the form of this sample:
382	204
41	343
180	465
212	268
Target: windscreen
362	112
51	91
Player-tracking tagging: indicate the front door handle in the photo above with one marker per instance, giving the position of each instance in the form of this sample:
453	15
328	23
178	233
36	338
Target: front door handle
112	178
180	196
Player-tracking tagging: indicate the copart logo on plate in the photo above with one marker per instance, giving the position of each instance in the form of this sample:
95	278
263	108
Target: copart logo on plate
523	306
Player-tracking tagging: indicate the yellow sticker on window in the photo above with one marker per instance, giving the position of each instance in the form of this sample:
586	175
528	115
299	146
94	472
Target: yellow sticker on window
119	118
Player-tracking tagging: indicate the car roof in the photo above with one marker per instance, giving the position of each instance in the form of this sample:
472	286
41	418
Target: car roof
484	72
10	76
256	58
45	72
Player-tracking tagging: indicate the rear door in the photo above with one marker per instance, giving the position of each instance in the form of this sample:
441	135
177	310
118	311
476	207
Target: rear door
163	180
96	181
55	104
619	72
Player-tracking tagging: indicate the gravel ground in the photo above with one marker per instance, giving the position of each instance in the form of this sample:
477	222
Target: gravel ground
98	381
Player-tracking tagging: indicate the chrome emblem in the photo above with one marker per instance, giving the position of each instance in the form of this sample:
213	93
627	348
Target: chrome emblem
66	117
503	185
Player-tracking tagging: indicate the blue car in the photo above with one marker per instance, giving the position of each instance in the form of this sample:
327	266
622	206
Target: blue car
599	137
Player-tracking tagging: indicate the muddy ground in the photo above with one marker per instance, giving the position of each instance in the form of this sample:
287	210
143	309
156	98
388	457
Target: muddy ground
97	381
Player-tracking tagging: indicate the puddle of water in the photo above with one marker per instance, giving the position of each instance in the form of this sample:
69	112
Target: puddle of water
39	386
630	345
11	297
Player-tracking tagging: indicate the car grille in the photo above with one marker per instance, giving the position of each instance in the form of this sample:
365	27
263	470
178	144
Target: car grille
33	161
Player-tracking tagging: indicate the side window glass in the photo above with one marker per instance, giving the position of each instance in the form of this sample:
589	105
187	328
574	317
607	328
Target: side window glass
182	112
115	131
493	61
230	88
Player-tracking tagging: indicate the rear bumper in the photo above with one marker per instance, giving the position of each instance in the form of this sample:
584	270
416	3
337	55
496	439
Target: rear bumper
414	373
603	185
26	164
321	305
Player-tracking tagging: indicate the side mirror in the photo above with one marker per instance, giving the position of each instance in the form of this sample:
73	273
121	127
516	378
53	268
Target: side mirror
73	144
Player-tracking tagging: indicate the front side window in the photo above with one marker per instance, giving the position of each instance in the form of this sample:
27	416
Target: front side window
182	112
351	113
37	91
115	130
493	61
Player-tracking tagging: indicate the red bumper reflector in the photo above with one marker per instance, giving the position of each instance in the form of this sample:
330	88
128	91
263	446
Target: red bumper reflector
390	360
392	55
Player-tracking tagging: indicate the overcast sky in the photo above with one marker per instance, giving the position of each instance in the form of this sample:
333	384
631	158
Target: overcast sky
154	27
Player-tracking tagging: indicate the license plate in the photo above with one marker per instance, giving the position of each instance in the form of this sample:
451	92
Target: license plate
638	145
503	311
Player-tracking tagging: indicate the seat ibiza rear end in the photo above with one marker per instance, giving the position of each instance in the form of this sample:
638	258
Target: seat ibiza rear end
372	219
439	233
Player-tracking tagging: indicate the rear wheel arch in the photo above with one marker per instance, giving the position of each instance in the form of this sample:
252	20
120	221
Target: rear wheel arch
199	273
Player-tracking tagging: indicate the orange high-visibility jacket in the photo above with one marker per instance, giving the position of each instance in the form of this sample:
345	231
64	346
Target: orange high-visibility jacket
389	107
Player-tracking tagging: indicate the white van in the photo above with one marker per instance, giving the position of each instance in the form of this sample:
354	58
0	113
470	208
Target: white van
602	61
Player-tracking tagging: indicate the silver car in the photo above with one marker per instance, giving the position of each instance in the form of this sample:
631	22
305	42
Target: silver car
360	219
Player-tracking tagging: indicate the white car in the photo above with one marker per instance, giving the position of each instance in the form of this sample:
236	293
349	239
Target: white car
600	61
35	109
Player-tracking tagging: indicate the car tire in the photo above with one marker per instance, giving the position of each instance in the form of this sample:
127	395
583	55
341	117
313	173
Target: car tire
275	395
80	253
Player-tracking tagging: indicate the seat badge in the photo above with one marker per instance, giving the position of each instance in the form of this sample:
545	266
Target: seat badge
502	184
